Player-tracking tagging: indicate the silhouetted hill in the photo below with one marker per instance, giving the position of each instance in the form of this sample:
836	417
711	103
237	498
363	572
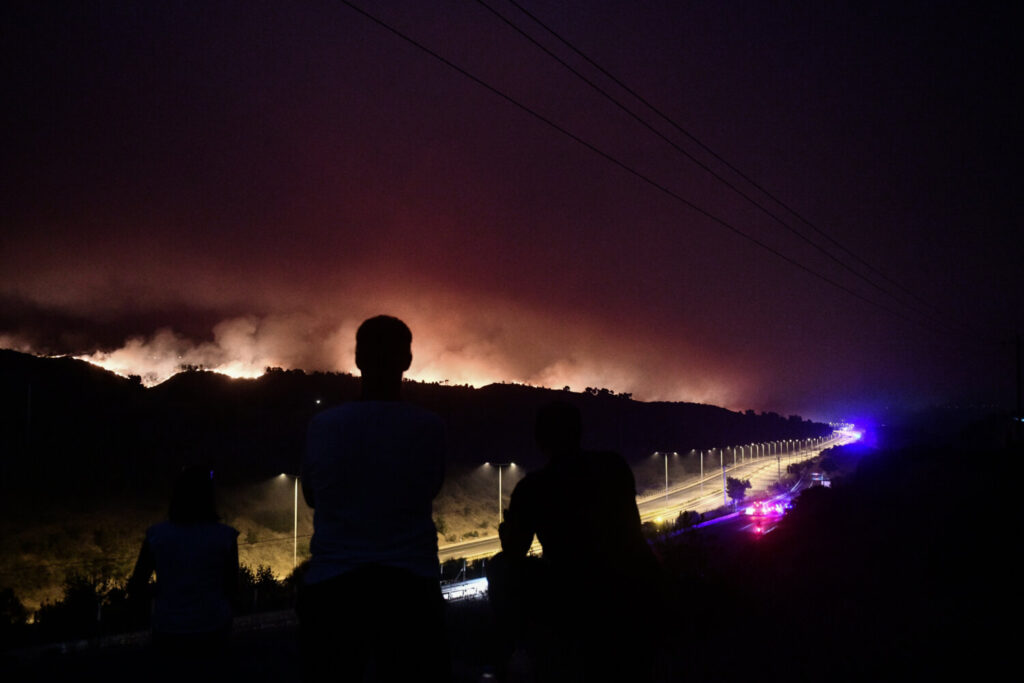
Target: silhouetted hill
68	423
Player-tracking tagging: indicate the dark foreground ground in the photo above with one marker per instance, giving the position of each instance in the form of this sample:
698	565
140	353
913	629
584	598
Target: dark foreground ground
902	570
263	648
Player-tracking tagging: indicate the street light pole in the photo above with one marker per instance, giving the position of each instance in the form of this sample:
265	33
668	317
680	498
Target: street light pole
721	461
701	454
295	527
295	520
501	498
666	478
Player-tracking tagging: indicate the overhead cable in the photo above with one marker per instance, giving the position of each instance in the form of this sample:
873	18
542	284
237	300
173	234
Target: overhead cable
630	170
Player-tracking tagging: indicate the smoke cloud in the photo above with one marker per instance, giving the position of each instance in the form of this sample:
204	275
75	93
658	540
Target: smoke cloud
490	344
241	347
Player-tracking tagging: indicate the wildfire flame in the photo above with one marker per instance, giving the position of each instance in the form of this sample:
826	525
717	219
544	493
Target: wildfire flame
235	352
244	347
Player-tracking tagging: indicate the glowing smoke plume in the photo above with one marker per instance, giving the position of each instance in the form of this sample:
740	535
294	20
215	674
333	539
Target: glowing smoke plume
445	349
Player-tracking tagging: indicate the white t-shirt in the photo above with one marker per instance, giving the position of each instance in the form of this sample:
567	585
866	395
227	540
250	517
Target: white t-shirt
372	470
192	562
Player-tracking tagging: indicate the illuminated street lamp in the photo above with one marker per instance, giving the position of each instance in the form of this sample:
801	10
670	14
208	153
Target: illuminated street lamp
501	499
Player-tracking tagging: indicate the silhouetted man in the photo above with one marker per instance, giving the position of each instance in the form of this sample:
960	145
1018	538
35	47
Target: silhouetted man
601	582
371	603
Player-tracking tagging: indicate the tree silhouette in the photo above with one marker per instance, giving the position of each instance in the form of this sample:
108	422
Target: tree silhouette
736	488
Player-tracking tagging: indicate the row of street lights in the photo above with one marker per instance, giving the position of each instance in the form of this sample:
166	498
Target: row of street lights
765	449
773	447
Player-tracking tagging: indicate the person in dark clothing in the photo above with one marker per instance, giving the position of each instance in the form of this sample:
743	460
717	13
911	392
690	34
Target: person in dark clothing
370	605
195	559
583	607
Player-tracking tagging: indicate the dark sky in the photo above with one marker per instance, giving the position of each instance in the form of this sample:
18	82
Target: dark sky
239	184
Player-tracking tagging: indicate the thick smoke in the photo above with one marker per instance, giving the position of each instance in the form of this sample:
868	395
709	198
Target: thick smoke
241	347
475	349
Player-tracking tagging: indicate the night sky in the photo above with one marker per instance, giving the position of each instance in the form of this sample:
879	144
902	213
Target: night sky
240	184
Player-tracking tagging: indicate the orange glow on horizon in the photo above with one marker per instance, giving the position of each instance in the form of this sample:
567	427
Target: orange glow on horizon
151	379
244	347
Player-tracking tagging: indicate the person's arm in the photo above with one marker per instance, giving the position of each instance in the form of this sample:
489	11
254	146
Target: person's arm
307	490
137	590
516	531
144	567
231	573
627	487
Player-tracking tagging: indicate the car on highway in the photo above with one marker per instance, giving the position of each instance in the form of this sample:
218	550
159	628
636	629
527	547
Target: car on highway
767	508
766	514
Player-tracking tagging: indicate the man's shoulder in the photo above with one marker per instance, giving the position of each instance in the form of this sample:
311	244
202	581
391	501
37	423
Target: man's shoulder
421	414
361	411
338	413
413	416
169	527
227	531
157	530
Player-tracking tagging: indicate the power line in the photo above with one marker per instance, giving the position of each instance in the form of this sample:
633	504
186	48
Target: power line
604	93
723	161
614	160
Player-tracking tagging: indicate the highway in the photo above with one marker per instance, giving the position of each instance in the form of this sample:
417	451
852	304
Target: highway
693	493
690	494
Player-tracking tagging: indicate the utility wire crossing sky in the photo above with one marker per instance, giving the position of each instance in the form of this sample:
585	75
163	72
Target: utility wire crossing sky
539	189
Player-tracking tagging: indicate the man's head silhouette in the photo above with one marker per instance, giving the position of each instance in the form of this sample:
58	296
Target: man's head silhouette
383	353
192	501
558	429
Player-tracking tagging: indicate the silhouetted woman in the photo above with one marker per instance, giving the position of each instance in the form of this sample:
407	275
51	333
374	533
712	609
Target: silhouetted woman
196	563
